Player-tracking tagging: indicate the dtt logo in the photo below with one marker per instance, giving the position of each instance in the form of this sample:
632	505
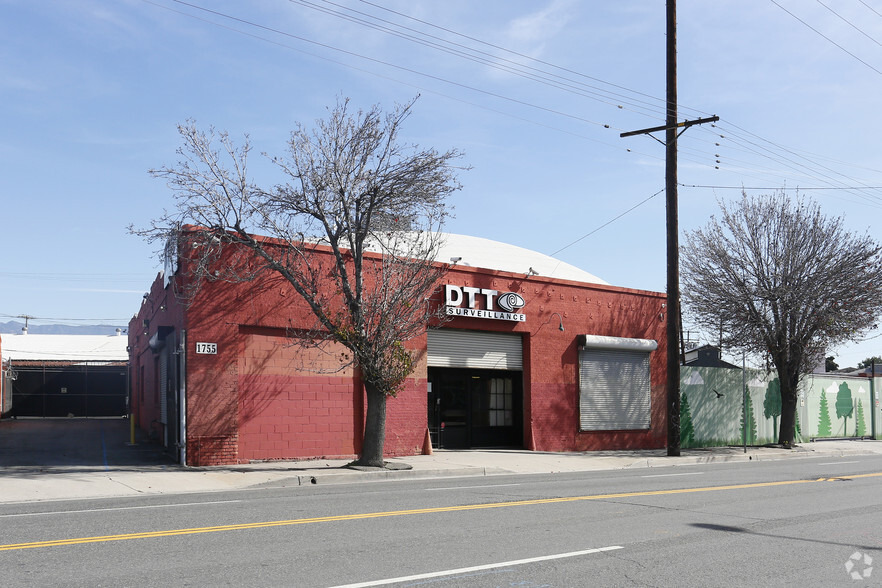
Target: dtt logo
510	302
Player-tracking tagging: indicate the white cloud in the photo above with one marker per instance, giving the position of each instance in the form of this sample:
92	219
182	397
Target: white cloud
530	32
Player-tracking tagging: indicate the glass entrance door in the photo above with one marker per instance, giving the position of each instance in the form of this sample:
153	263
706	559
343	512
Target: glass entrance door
475	408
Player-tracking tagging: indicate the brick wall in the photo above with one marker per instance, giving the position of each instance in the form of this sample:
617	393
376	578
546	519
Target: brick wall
294	401
209	450
406	414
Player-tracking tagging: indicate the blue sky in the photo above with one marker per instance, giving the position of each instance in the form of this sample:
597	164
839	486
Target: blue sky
92	91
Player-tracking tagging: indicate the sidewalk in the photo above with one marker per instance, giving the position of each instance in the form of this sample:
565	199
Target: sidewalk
25	483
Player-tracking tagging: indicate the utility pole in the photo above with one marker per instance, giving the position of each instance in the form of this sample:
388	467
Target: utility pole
26	318
673	382
672	386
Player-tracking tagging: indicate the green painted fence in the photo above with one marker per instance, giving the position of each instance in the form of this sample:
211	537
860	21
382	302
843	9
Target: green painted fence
829	405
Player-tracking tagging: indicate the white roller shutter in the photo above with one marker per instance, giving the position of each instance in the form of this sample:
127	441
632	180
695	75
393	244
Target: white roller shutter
614	383
453	348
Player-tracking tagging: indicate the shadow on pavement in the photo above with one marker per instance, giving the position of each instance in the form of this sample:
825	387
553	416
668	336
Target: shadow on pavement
75	443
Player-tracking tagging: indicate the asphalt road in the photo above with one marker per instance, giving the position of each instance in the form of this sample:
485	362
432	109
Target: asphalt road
787	523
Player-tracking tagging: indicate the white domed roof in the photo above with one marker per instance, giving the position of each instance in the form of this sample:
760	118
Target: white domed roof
489	254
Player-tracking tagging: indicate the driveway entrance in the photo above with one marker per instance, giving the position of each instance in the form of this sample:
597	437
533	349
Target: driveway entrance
85	443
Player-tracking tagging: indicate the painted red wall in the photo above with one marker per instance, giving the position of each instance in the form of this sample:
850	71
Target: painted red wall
292	402
262	398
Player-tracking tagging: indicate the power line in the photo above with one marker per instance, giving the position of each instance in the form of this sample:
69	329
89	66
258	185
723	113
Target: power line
811	169
870	7
655	99
607	223
793	165
488	59
372	59
385	77
849	23
825	36
270	29
783	188
808	155
68	319
493	94
792	161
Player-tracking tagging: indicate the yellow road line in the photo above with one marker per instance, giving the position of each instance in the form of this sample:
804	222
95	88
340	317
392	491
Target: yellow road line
398	513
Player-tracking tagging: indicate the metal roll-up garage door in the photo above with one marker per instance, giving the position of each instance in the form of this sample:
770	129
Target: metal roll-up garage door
614	383
453	348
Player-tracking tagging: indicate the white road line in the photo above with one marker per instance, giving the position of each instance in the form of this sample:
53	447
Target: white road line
470	487
504	564
669	475
837	462
57	512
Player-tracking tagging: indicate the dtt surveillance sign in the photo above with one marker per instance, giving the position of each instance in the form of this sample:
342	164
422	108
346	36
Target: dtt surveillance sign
483	303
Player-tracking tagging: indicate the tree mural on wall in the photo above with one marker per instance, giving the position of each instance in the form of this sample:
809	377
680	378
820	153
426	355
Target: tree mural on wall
687	431
844	405
772	402
825	429
751	423
860	428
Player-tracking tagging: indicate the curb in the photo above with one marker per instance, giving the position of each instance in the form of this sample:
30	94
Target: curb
324	478
347	477
752	456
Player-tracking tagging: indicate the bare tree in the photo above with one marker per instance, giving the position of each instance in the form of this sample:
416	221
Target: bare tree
372	205
779	279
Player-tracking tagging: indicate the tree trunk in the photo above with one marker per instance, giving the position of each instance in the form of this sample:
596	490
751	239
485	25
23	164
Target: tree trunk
789	382
374	429
788	420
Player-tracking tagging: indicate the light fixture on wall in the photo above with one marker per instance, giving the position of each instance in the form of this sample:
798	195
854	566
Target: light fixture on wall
560	319
455	259
532	272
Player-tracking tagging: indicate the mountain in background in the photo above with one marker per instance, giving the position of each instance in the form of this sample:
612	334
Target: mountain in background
15	327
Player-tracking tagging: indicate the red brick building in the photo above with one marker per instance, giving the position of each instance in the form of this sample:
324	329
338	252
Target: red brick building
536	354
